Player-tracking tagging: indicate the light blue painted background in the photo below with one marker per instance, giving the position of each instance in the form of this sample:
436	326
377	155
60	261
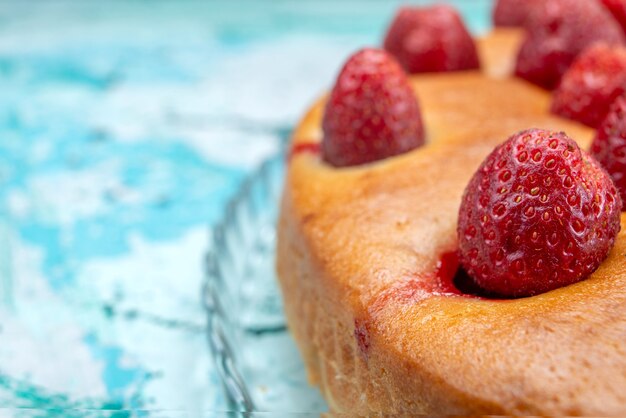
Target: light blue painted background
124	128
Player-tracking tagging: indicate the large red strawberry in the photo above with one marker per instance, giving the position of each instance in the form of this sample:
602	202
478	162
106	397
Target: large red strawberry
372	112
431	39
513	12
539	214
558	30
618	9
609	145
591	84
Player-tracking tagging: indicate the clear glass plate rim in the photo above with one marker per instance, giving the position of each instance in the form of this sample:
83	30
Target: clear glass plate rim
236	391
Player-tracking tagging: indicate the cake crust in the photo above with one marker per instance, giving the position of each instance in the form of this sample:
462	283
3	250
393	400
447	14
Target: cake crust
358	249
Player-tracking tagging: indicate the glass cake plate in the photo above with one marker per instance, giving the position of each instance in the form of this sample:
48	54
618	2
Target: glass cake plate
260	367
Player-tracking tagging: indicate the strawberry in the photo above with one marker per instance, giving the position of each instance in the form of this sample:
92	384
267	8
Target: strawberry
609	145
591	84
372	112
618	10
539	214
513	12
557	31
431	39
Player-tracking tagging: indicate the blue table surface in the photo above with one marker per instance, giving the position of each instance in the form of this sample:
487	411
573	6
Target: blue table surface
124	129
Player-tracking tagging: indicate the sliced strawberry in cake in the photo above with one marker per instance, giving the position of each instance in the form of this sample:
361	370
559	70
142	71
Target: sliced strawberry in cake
559	30
372	112
513	12
539	214
609	145
431	39
591	84
618	10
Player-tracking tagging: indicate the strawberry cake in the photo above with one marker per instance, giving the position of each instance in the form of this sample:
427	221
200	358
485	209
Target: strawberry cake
450	238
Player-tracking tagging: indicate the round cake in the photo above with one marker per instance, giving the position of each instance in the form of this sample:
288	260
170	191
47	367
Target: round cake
366	257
